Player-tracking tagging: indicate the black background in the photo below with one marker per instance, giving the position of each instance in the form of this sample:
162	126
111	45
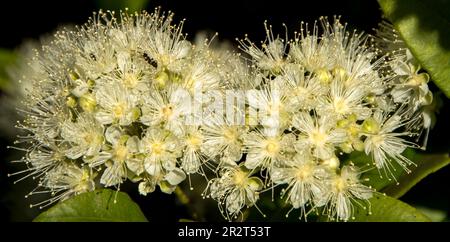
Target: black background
22	20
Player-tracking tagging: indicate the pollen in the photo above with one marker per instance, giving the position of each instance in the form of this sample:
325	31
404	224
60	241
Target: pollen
318	137
240	178
119	110
272	147
157	148
323	75
194	141
121	153
340	105
130	80
304	172
340	184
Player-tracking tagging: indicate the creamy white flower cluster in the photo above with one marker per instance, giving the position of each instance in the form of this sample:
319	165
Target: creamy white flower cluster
108	104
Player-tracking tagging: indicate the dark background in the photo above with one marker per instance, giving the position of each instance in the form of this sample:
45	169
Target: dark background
23	20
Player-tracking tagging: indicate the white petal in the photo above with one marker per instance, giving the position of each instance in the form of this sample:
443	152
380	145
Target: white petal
75	152
152	167
133	144
104	117
253	161
166	187
175	177
113	134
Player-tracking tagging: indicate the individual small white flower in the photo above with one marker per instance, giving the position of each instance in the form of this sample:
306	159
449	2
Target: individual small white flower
223	141
312	51
66	181
122	149
44	116
116	104
384	144
343	101
97	53
271	57
306	182
265	149
161	149
318	134
202	74
270	103
234	189
167	45
167	183
193	156
132	74
346	191
168	108
85	136
413	87
303	91
40	159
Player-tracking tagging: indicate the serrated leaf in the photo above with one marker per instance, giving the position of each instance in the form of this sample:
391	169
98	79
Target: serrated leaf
388	209
96	206
425	28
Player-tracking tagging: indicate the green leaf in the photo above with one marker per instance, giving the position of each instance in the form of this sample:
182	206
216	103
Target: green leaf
96	206
425	28
373	177
388	209
185	220
132	5
426	164
7	57
435	215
